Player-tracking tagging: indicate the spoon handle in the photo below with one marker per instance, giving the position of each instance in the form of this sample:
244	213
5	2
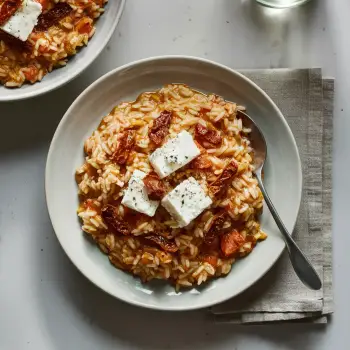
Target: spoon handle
302	266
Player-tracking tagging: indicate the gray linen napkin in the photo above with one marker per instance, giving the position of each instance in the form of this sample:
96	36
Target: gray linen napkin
306	100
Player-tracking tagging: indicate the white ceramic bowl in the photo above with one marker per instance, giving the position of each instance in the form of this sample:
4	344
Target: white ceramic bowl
123	84
105	27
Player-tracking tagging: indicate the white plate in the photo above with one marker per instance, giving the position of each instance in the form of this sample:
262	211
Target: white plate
105	27
282	177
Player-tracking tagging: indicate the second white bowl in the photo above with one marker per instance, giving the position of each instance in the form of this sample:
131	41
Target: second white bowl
105	27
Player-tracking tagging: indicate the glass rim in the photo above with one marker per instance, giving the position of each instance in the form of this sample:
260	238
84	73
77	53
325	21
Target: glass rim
269	3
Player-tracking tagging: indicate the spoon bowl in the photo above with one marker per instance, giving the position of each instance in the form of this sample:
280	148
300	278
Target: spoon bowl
257	140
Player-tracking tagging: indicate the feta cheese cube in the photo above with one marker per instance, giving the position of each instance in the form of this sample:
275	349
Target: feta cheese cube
136	196
22	23
174	154
186	201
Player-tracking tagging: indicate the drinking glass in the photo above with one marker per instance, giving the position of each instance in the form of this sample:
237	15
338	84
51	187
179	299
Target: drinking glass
281	3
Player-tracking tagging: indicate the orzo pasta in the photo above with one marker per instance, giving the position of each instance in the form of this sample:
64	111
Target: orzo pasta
63	27
157	246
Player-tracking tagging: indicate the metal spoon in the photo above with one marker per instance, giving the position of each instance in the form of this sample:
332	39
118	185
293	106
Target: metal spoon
302	266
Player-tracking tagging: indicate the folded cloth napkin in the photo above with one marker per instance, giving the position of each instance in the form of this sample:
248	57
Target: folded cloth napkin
306	101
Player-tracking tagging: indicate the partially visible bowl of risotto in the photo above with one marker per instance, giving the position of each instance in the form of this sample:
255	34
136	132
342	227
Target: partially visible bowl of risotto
63	39
150	189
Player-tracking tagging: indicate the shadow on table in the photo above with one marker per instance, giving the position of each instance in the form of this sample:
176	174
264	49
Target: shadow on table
98	315
31	123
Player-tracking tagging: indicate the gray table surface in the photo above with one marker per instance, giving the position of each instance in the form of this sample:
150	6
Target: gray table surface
45	303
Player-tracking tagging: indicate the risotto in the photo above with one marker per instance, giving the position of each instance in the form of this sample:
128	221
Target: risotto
63	27
196	215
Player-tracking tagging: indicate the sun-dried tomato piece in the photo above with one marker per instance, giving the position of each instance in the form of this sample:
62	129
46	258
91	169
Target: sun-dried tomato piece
160	127
206	137
7	9
210	259
231	242
215	229
218	223
125	145
202	162
113	221
165	244
84	25
155	187
14	42
211	242
219	186
53	16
